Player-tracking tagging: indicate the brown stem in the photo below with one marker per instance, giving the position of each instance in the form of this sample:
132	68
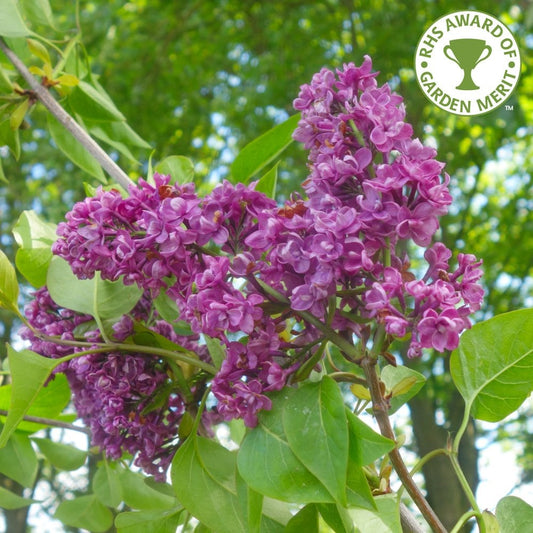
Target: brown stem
49	422
67	121
409	523
380	409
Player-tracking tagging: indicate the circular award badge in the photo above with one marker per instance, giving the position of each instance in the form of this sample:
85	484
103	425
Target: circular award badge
467	63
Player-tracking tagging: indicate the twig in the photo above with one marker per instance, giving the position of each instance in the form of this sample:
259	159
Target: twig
409	523
380	409
67	121
184	356
328	332
50	422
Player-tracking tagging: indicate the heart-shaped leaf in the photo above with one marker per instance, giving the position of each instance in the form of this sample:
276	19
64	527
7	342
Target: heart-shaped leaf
148	521
96	297
48	403
13	501
268	464
493	366
85	512
385	519
29	372
315	413
514	515
9	287
11	21
203	477
18	460
34	238
180	168
62	456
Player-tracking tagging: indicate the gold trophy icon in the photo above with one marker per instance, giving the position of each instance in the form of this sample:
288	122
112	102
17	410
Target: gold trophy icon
467	53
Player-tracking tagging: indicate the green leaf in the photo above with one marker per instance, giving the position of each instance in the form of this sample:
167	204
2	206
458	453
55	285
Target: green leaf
403	382
91	190
148	521
337	517
493	366
514	515
10	137
237	430
261	151
144	336
49	402
62	456
34	237
29	372
386	519
254	510
74	150
10	501
18	114
138	494
85	512
98	132
93	103
267	184
123	133
11	22
306	519
179	167
203	477
18	460
168	311
316	413
276	512
39	50
251	504
6	85
365	447
9	287
216	351
99	298
3	178
106	484
491	522
267	463
365	444
263	515
118	135
160	486
358	491
38	11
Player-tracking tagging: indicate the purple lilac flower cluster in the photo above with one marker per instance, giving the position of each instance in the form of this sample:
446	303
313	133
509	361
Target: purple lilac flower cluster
157	238
371	189
338	253
115	393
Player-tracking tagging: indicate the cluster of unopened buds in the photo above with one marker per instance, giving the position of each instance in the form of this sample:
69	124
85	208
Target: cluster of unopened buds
260	278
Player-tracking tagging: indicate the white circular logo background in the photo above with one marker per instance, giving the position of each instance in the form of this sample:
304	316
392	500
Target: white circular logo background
467	63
